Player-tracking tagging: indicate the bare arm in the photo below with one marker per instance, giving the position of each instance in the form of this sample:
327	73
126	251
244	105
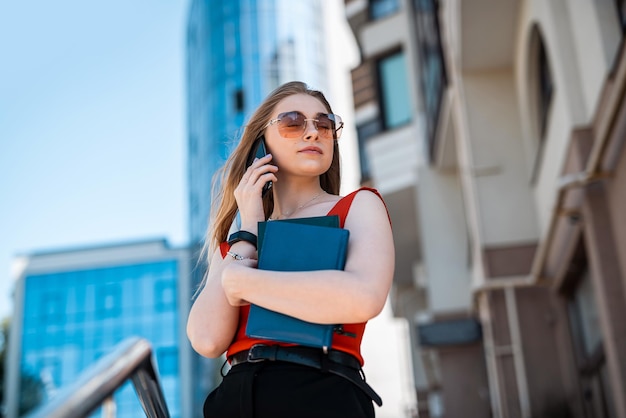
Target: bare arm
212	321
356	294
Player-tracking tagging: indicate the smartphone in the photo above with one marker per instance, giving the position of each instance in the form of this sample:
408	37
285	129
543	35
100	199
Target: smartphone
259	151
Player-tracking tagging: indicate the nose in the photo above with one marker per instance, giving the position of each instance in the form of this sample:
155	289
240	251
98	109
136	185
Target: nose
310	129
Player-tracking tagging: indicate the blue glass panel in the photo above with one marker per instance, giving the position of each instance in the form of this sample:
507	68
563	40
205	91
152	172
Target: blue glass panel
91	313
109	298
167	360
165	295
383	8
395	90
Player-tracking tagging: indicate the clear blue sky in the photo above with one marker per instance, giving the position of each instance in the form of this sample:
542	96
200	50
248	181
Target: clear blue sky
92	125
92	135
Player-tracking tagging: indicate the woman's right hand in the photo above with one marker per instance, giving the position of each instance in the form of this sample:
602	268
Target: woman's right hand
233	279
248	191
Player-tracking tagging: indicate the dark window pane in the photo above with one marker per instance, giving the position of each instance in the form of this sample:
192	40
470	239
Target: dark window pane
621	10
364	132
239	102
545	88
432	73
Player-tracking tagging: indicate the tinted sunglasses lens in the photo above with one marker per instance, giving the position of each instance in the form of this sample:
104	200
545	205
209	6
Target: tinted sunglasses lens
331	124
291	124
325	123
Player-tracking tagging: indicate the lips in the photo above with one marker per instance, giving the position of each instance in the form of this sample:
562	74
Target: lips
312	149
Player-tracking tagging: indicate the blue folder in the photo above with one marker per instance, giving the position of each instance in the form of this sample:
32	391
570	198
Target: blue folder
302	244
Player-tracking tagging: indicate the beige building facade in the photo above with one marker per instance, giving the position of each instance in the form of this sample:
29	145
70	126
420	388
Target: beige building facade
495	130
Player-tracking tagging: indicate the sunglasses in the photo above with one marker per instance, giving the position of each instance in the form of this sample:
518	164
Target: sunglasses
293	124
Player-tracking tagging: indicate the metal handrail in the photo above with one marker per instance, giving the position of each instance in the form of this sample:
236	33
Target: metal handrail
131	359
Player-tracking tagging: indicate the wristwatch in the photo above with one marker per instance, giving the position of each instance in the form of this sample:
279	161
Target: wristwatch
242	236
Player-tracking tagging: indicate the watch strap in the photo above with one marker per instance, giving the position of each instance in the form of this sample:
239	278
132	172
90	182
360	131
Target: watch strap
242	236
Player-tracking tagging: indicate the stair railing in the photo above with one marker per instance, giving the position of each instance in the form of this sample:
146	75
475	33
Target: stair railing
130	359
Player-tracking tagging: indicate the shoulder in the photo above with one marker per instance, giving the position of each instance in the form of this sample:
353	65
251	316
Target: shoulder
367	203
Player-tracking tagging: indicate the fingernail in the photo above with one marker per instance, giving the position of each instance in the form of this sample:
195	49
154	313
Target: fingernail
255	160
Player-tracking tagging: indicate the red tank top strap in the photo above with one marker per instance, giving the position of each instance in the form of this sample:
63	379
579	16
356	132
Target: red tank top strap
224	248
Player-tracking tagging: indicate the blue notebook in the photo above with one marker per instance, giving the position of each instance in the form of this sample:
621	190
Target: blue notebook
302	244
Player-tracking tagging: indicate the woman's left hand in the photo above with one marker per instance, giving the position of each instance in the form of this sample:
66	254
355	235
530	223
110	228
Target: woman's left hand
233	278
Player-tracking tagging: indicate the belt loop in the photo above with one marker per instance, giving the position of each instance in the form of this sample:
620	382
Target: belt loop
222	368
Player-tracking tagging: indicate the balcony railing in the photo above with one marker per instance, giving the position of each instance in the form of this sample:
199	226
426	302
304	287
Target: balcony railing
131	359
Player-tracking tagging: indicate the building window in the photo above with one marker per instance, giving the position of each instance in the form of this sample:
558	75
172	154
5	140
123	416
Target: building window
164	295
545	88
587	337
621	10
108	300
383	8
541	92
432	72
394	91
53	308
364	132
239	101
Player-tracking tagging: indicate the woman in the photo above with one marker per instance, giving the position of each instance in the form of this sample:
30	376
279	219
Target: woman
300	133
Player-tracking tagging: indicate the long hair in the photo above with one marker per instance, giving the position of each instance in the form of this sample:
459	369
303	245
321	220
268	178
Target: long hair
226	179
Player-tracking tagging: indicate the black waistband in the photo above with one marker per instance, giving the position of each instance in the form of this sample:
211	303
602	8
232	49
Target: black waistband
336	362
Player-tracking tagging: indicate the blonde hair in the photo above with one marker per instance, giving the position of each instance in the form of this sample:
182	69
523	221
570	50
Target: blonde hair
226	179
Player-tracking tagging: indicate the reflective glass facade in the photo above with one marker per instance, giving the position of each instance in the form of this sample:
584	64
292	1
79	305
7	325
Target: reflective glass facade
73	317
237	52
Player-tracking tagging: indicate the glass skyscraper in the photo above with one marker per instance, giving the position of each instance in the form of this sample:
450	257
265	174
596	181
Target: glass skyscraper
72	307
237	52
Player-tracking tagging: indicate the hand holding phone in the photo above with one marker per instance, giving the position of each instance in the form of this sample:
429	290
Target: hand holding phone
258	151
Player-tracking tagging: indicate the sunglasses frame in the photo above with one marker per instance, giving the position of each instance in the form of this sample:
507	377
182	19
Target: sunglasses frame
331	116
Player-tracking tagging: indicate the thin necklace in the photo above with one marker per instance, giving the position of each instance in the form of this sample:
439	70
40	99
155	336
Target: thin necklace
286	215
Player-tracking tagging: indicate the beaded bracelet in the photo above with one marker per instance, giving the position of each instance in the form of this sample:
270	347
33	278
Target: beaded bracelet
237	256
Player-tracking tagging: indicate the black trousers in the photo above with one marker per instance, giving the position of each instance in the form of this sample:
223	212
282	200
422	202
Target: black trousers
274	389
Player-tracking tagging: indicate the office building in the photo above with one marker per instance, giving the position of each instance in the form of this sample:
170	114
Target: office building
237	52
73	306
508	178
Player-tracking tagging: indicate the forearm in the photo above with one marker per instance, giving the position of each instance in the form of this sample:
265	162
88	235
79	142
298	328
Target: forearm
212	321
326	296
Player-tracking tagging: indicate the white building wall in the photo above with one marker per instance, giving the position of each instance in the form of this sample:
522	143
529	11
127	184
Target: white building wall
596	35
498	166
379	36
443	229
394	159
581	47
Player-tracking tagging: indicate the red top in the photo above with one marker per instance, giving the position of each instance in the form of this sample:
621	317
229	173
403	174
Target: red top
348	344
